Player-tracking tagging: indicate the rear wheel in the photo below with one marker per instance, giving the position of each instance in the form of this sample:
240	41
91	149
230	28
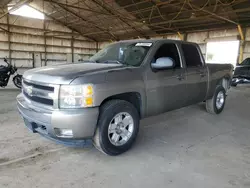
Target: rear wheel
117	127
217	103
17	80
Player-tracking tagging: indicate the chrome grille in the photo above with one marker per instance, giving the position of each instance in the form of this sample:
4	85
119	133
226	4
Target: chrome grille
38	93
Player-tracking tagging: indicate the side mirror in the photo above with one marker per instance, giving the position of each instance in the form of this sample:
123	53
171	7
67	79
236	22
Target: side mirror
6	61
163	63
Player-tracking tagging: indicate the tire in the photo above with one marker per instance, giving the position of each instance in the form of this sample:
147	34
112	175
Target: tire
211	105
103	138
17	80
233	84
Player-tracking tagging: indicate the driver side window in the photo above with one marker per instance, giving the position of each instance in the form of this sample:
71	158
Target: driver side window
168	50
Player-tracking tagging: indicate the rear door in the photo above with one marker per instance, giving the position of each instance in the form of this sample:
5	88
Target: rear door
196	71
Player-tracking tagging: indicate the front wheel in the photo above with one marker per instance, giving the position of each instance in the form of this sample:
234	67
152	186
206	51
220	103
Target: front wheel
17	80
217	103
117	127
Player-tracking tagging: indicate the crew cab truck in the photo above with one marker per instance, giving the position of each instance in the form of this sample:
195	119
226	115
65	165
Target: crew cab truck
104	98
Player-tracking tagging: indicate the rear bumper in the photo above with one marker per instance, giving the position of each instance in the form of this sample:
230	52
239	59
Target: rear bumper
82	122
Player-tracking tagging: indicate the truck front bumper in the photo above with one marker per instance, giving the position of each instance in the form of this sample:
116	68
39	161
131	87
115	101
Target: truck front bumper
49	123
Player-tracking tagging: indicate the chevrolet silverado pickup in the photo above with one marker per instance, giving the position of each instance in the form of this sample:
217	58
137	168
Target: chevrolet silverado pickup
102	100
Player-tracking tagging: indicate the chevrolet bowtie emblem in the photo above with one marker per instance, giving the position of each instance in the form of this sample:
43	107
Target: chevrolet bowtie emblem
29	90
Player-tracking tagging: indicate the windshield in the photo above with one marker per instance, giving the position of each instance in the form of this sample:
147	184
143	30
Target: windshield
125	53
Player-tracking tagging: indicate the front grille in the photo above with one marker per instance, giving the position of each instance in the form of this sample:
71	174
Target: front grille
48	88
38	93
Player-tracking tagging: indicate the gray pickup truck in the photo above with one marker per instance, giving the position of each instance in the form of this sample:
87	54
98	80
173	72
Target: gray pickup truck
103	99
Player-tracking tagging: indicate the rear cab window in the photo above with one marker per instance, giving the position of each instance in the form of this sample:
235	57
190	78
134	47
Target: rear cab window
191	55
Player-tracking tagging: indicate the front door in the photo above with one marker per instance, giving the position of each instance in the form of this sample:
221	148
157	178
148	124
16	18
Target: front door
165	88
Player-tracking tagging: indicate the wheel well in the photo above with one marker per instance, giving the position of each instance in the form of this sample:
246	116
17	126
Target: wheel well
225	83
133	97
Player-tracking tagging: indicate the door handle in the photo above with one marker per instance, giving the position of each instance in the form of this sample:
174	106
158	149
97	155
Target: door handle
180	77
202	74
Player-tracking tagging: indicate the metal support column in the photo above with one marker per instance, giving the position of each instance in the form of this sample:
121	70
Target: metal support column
185	36
97	48
180	36
45	43
9	42
72	48
242	43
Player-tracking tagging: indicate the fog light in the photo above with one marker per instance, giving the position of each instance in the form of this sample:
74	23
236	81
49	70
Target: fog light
68	133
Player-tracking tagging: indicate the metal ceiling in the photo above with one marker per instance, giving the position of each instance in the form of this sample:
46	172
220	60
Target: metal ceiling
4	2
103	20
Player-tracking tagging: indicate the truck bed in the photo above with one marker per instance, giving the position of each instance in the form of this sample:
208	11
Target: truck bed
216	72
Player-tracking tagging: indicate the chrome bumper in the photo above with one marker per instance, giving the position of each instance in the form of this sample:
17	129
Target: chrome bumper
82	122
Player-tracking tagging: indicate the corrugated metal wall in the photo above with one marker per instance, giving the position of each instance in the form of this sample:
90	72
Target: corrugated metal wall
29	43
226	34
219	35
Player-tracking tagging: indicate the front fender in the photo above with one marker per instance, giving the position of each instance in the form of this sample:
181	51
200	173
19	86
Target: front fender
120	82
114	82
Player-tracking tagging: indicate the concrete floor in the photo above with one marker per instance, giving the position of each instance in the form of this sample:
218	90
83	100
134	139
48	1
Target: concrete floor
183	148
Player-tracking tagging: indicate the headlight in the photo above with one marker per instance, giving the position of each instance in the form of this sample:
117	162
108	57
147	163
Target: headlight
76	96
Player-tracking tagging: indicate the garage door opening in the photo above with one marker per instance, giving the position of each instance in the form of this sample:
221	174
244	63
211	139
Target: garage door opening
222	52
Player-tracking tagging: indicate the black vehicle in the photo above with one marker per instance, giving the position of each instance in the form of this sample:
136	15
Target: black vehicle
6	72
242	73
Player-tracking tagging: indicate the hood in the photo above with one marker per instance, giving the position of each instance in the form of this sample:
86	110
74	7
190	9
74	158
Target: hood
64	74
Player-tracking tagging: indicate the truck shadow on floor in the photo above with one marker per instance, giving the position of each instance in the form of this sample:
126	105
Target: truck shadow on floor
178	130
